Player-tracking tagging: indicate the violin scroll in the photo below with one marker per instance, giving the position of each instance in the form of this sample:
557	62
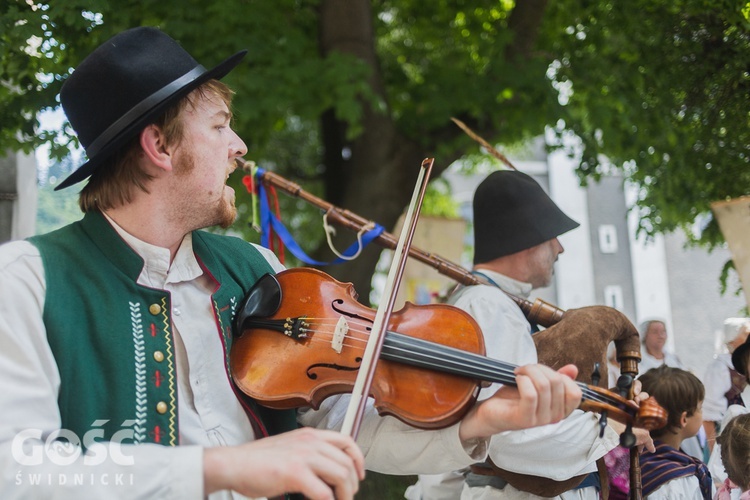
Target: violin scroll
647	415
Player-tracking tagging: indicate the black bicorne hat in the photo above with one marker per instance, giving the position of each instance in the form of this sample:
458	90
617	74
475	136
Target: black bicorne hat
124	85
512	213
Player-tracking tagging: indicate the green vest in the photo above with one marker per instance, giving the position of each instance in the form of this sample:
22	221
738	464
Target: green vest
112	338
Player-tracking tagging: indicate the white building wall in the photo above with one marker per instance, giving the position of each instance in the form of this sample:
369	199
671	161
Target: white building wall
649	262
574	273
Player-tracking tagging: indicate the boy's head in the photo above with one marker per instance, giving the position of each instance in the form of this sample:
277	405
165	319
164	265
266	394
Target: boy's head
681	394
735	450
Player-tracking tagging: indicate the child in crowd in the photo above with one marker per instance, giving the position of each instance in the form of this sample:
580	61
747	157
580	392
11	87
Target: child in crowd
735	455
669	472
715	466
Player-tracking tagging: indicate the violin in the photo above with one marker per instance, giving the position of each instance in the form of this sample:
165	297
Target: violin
301	336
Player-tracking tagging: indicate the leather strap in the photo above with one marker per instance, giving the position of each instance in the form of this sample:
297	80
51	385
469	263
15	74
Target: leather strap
541	486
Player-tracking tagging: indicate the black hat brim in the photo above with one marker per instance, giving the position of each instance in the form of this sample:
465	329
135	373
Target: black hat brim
134	128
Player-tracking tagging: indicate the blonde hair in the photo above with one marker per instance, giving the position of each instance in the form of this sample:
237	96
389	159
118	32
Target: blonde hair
113	184
735	450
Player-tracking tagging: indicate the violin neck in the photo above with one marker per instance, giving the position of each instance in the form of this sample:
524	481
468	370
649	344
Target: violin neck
421	353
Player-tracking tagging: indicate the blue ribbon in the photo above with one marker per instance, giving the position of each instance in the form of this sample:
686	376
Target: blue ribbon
268	220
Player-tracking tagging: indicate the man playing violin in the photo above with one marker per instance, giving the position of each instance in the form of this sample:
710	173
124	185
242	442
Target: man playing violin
516	226
116	330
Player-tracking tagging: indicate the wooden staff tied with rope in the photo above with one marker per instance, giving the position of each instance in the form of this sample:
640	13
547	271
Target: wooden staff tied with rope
539	311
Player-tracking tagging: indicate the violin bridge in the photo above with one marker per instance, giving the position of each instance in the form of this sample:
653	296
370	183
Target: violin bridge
339	333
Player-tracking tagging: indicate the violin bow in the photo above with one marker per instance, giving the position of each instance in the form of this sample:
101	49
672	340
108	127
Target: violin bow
363	382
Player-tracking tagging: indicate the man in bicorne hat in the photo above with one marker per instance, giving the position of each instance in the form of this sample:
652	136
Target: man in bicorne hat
116	329
516	229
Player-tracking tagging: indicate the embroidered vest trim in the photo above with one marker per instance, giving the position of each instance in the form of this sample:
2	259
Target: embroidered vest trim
112	338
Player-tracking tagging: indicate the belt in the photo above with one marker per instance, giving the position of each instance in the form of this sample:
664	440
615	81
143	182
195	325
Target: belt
480	476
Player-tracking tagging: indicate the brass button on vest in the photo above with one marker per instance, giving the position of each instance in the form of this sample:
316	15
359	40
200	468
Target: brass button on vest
154	309
158	356
161	407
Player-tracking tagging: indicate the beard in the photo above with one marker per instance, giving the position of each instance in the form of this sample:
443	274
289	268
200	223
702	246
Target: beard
220	212
226	212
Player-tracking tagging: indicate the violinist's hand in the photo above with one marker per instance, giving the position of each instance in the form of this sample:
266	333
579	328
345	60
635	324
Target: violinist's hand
544	396
320	464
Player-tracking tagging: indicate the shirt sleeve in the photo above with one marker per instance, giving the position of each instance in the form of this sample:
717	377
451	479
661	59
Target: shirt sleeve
575	440
32	464
393	447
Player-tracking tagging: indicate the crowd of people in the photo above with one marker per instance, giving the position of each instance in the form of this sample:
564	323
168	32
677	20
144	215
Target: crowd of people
117	332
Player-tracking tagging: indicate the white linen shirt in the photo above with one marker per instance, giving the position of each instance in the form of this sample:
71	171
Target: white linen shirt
208	410
718	381
556	451
682	488
648	361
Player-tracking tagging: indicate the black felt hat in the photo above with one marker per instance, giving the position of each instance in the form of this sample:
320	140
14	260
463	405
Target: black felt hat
740	356
512	213
124	85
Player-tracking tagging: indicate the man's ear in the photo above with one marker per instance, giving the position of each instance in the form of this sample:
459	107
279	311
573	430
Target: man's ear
155	147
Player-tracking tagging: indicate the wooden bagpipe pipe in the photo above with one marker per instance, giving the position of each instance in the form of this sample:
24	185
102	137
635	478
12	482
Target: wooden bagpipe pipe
579	336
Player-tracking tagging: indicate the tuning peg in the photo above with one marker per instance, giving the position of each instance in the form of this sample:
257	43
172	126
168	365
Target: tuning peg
602	423
623	384
596	375
627	438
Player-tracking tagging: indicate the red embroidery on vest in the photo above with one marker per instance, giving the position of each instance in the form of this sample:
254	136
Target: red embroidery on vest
156	434
157	378
153	329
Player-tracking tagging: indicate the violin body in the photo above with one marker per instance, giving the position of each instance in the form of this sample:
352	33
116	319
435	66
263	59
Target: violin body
302	364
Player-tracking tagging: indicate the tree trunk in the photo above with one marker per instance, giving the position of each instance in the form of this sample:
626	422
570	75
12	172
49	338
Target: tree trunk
372	175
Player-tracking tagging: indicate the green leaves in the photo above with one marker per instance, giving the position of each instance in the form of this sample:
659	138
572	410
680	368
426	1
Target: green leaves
660	89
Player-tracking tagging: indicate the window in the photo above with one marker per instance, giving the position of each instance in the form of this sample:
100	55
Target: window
613	297
607	238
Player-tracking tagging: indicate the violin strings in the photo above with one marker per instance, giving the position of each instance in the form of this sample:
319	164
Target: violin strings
436	356
437	353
